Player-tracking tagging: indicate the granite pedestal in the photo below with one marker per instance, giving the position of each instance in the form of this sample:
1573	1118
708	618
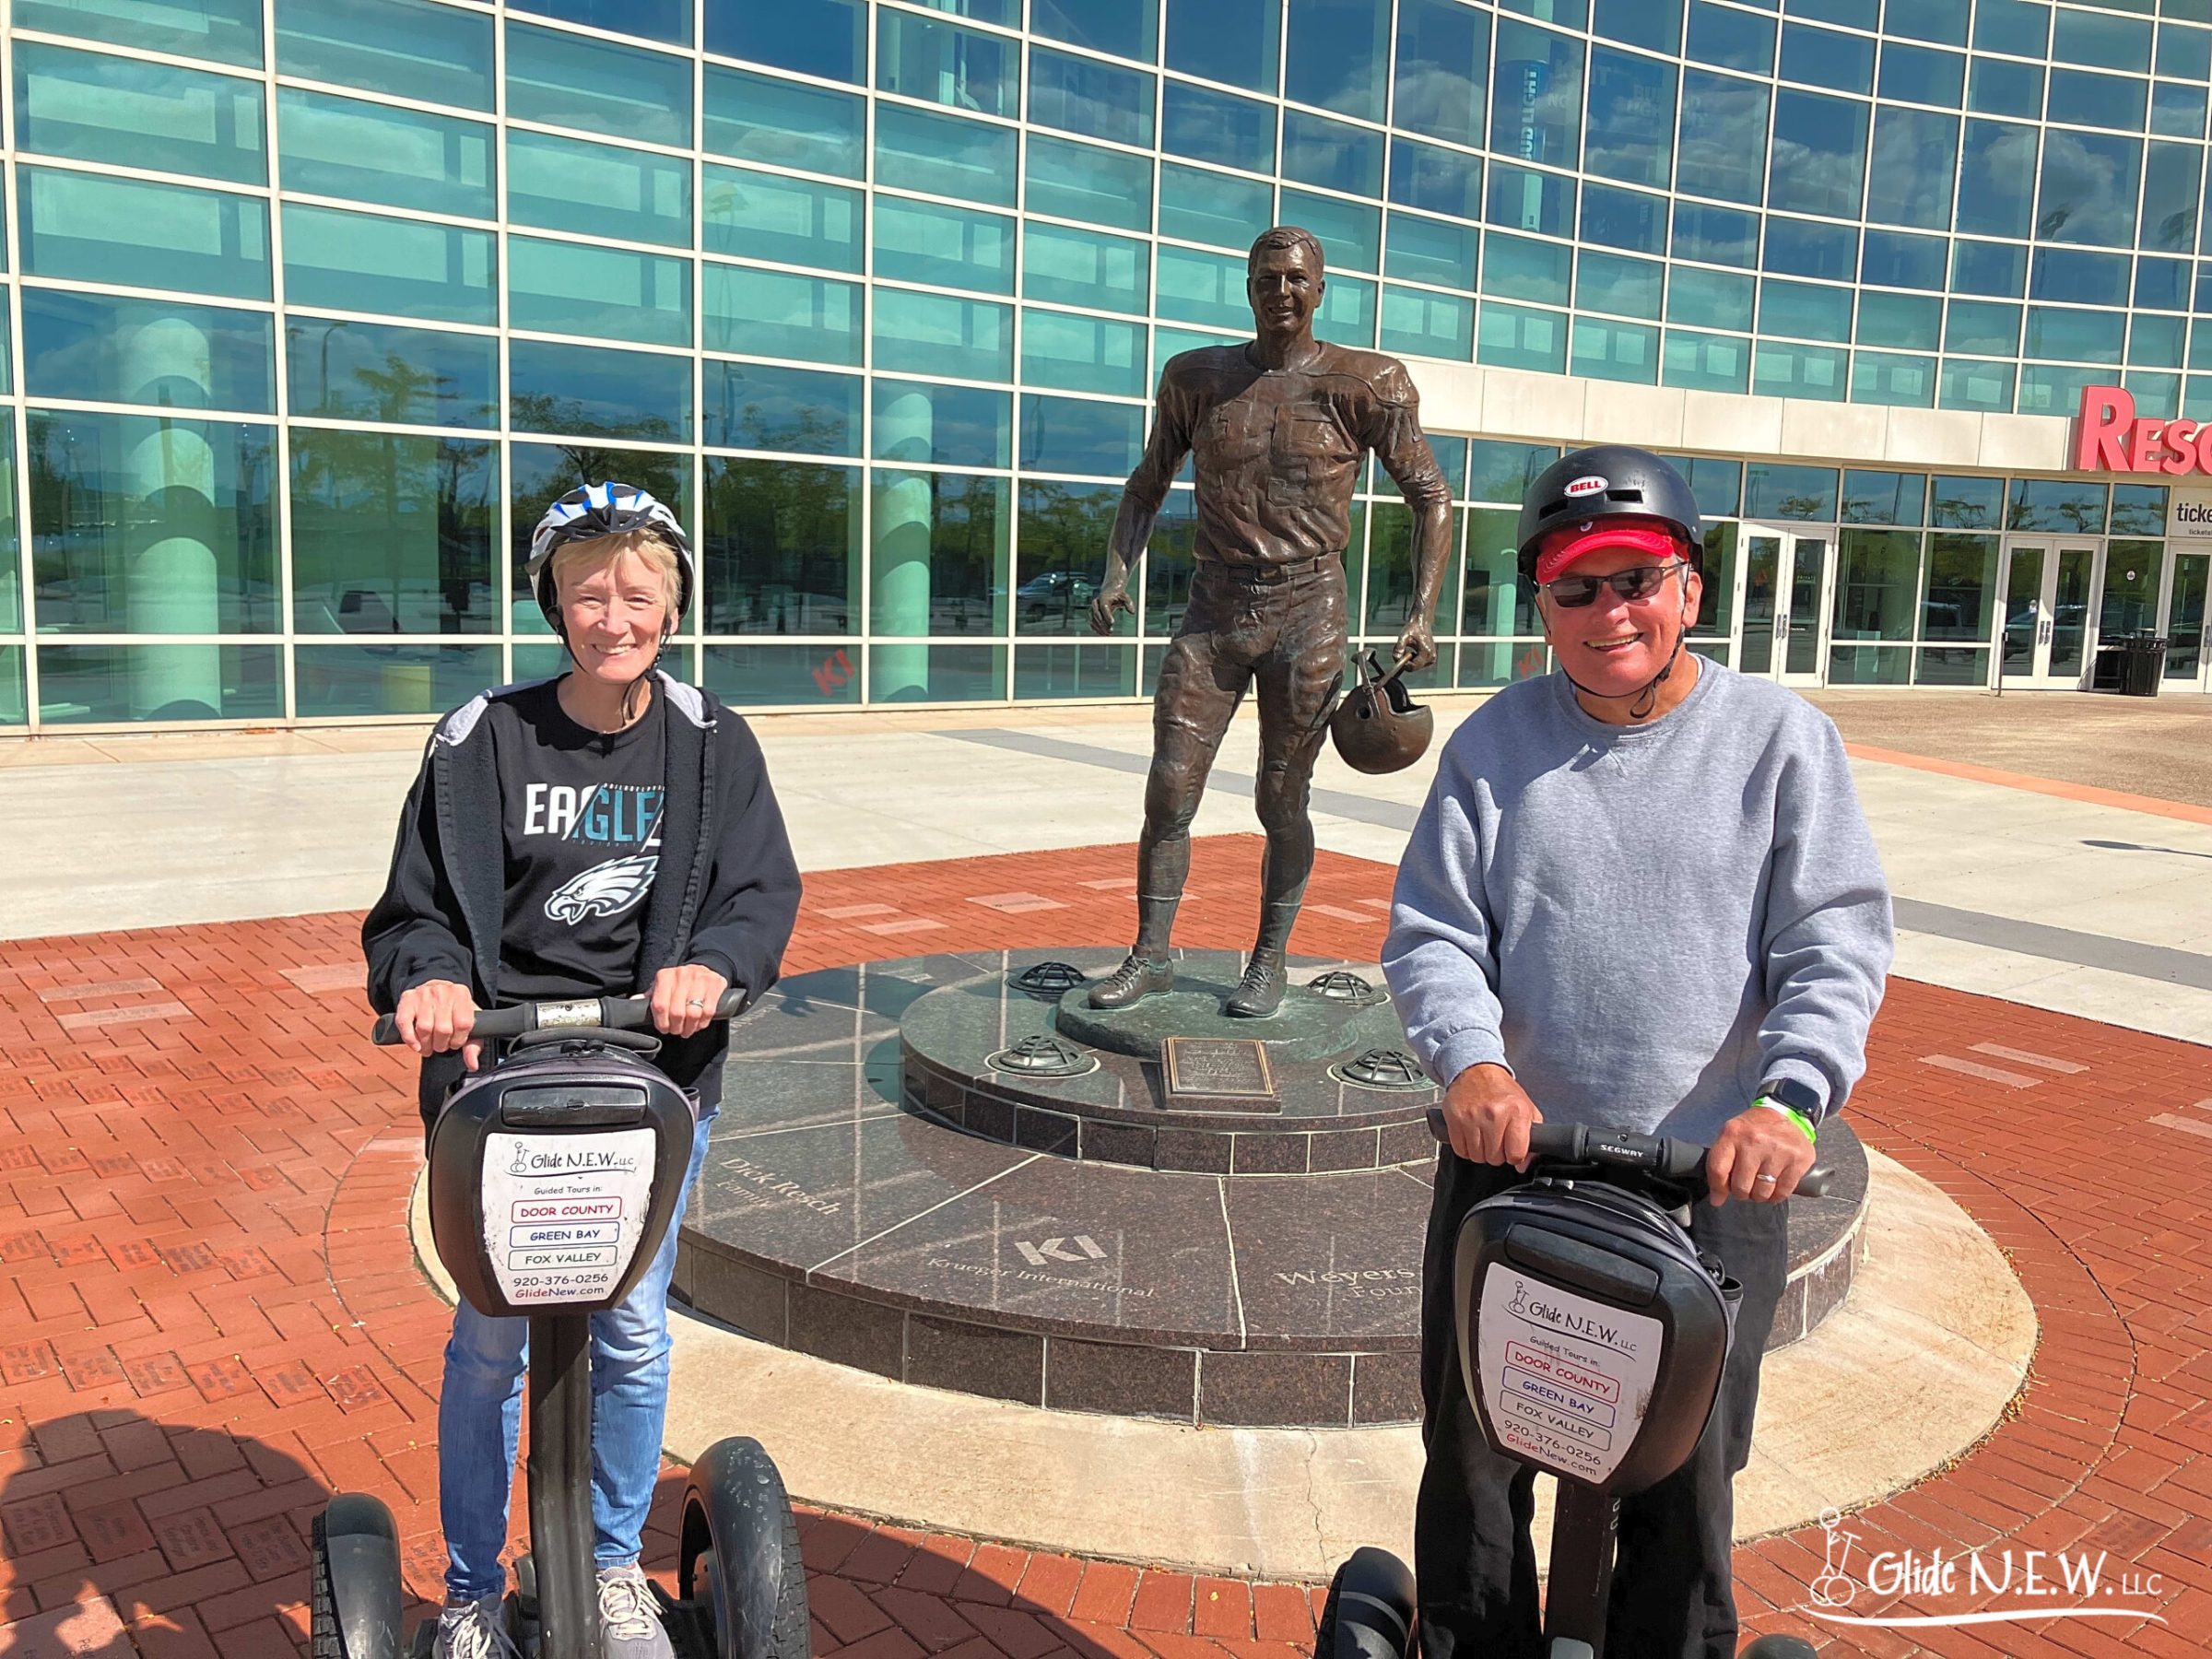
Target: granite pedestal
880	1193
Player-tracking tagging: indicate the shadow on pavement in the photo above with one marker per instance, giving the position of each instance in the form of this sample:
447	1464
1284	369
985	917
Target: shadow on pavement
112	1523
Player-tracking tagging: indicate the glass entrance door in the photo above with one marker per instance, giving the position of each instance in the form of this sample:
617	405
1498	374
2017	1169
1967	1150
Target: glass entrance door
2185	618
1784	611
2048	587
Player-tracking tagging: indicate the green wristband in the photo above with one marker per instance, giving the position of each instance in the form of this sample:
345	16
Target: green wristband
1795	1116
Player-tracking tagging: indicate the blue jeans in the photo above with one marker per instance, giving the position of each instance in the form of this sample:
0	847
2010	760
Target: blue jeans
480	1410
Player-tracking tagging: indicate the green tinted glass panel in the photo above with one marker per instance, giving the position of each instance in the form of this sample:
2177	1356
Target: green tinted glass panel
939	562
371	152
1201	288
935	333
1081	182
775	313
1805	309
919	57
598	190
1350	232
384	371
791	221
599	86
1518	269
11	586
144	235
1428	250
1890	377
1064	529
1082	267
943	155
1820	373
409	48
566	287
590	391
106	349
800	677
393	534
763	406
1705	362
402	267
1426	324
781	550
1219	208
14	709
333	681
1968	384
1807	494
1516	336
87	685
1912	321
1604	349
94	108
759	118
947	247
225	31
1082	354
213	571
946	426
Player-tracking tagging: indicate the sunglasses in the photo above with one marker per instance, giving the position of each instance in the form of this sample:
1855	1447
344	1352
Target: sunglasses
1572	592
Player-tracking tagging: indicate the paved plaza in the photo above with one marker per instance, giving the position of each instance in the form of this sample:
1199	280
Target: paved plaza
206	1170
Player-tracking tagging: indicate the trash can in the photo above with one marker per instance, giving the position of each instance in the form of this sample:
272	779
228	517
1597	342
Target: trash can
2108	668
2146	655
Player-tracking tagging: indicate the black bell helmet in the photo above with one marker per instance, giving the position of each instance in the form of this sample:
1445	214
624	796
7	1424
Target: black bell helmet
1607	480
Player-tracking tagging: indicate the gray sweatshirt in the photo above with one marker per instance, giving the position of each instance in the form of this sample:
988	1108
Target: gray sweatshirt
1643	922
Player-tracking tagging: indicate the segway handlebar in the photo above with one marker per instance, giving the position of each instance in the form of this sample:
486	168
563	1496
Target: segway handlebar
597	1013
1661	1156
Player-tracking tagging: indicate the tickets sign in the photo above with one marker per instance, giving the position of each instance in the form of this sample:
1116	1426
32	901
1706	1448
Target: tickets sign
2109	437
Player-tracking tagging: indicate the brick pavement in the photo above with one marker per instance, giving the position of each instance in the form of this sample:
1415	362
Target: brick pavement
212	1319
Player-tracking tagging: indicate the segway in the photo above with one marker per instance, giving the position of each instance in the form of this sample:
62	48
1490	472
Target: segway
553	1175
1592	1338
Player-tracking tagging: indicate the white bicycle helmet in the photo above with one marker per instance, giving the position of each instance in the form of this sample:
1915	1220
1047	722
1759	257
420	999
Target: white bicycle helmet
600	510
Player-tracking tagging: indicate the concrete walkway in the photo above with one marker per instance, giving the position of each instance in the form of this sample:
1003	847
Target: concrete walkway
2062	895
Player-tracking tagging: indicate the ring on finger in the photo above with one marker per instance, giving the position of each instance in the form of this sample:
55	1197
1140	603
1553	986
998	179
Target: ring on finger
1764	1180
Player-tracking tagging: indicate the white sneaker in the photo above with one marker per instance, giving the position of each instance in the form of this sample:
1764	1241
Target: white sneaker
474	1631
629	1619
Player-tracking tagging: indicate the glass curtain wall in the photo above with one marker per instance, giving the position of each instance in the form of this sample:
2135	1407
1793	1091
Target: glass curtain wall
312	306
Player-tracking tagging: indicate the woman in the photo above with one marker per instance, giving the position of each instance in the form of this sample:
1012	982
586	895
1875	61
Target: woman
611	831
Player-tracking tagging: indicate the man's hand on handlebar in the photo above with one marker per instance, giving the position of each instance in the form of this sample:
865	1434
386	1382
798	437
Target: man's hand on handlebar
684	999
436	1017
1489	1116
1759	1155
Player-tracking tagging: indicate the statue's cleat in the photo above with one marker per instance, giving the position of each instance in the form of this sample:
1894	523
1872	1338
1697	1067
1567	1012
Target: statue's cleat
1262	992
1135	980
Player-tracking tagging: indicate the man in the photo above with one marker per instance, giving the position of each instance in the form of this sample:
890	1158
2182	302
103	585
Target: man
1642	895
1278	428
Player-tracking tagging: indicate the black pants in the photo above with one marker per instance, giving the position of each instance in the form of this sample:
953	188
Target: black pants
1673	1588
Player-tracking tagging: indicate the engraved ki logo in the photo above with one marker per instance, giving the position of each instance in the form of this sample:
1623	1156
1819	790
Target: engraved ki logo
1085	1249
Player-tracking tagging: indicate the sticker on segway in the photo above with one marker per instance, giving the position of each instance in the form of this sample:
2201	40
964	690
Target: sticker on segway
562	1212
1566	1381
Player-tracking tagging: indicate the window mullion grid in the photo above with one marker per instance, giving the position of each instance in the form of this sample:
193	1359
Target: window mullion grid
280	490
18	416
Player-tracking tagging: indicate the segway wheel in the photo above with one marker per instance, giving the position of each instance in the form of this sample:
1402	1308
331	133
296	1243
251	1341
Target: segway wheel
1780	1647
355	1597
740	1566
1369	1614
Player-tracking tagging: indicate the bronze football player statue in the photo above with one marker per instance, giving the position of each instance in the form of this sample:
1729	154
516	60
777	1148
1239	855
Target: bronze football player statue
1278	428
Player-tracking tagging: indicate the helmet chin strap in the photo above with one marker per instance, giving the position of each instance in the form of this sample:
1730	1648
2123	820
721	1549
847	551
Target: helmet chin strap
1645	699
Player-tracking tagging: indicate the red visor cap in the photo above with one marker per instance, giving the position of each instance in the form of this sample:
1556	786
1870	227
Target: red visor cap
1562	547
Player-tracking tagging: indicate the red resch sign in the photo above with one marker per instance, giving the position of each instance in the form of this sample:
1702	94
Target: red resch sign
2109	438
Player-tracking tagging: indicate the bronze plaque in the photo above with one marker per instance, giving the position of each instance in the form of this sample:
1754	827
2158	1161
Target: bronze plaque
1217	1068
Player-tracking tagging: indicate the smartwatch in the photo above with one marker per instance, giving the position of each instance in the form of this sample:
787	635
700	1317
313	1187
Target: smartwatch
1796	1102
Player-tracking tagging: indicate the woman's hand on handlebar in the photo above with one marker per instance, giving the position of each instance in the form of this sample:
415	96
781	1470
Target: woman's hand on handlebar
684	999
436	1017
1751	1147
1489	1116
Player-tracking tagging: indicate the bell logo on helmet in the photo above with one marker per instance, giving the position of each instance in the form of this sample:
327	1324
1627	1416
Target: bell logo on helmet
1585	486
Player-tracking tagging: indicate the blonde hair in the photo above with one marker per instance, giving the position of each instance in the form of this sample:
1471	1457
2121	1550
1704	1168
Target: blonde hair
605	549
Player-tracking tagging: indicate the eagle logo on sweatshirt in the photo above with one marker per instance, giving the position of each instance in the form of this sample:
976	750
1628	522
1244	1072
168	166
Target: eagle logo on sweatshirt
605	889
